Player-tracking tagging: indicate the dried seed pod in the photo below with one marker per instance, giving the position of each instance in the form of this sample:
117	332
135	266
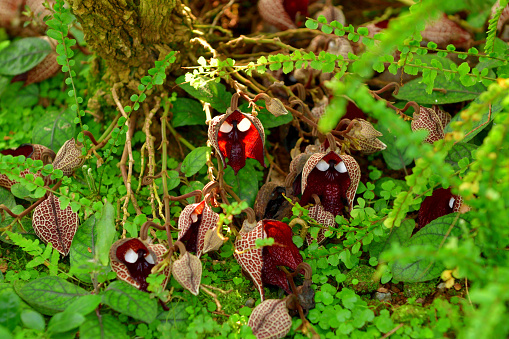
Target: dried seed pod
187	271
69	157
52	224
133	261
270	203
212	241
262	264
433	120
32	151
276	107
270	319
237	136
366	137
194	222
333	178
322	216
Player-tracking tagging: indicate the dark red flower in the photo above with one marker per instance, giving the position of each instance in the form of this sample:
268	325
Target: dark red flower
194	222
440	203
262	264
333	178
133	261
237	136
282	13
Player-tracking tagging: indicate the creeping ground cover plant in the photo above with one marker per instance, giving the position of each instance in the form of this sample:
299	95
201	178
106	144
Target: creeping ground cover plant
263	169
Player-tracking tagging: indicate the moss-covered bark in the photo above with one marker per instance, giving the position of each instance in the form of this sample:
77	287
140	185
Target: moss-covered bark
130	35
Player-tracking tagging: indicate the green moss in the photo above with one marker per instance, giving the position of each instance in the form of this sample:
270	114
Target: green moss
360	279
406	313
419	290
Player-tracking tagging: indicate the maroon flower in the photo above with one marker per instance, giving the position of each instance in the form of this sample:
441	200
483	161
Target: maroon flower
237	136
440	203
194	222
333	178
262	263
133	261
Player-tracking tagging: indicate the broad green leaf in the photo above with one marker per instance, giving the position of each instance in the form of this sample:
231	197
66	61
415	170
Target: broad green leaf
20	96
459	151
83	249
54	129
396	157
33	320
195	160
209	91
479	125
424	268
109	327
130	301
65	321
177	316
105	233
193	185
446	91
6	198
4	83
84	305
245	183
23	55
398	234
187	112
49	295
10	309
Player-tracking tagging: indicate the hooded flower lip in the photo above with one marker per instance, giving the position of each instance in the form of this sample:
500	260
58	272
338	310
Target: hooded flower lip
237	136
433	120
194	222
440	203
366	137
133	256
262	263
333	178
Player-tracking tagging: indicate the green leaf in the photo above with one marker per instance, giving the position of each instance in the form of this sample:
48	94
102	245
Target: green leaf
245	183
54	129
23	55
208	91
9	309
6	198
187	112
84	305
459	151
109	327
130	301
398	235
49	295
311	24
424	268
82	248
33	320
4	83
479	125
395	156
65	321
449	91
195	160
105	233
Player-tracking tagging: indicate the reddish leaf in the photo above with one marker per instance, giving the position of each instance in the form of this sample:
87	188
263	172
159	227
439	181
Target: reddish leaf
54	225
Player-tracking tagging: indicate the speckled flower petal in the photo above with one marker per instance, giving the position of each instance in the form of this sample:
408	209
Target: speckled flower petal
270	319
194	222
187	270
69	157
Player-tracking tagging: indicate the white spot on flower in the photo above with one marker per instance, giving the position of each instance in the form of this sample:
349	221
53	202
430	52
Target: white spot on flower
244	125
340	167
131	256
451	202
150	259
194	217
322	165
225	127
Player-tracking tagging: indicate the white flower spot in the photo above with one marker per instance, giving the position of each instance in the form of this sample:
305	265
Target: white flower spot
340	167
194	217
131	256
322	165
244	125
451	202
150	259
225	127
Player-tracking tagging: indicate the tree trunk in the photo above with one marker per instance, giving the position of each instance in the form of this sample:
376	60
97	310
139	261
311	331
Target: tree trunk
130	35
